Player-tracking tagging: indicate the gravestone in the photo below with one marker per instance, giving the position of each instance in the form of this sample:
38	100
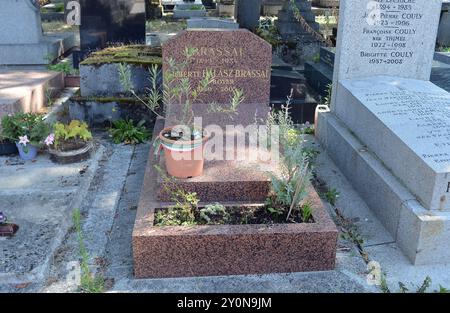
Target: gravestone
444	25
306	39
189	9
21	39
389	127
319	75
211	22
287	25
238	59
111	22
247	13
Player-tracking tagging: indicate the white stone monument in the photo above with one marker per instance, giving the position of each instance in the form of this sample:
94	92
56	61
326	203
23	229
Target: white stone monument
21	39
389	127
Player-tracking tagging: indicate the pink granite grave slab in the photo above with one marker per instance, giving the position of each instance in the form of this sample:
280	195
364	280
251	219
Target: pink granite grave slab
228	249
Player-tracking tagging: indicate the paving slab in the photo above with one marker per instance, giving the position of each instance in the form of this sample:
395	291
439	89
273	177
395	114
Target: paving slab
39	196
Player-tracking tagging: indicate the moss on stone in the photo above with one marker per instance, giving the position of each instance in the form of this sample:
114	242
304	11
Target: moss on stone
118	99
133	54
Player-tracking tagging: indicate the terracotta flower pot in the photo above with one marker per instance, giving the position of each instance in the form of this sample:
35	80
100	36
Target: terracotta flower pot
184	159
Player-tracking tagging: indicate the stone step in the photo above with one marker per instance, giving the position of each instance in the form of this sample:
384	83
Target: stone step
27	91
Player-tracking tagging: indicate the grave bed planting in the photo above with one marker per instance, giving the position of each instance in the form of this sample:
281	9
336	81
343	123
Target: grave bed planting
208	250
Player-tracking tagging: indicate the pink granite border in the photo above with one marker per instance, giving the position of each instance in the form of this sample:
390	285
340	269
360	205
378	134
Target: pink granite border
229	249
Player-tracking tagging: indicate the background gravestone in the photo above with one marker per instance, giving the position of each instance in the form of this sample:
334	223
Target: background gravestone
109	22
247	13
239	60
444	25
21	39
388	129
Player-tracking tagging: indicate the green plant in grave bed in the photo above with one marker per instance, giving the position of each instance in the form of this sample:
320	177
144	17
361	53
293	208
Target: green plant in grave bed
306	213
180	214
310	154
125	131
274	211
290	187
212	211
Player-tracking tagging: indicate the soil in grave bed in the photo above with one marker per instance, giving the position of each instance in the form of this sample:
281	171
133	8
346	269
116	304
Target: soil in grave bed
236	215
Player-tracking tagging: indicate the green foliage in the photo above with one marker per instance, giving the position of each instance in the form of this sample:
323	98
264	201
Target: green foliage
63	67
269	32
306	213
212	211
125	131
90	282
141	55
310	154
180	90
276	212
74	130
25	124
180	214
316	58
425	285
125	77
293	164
331	196
327	99
308	130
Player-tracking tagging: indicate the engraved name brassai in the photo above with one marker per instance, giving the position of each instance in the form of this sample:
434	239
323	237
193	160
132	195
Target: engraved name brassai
225	73
220	52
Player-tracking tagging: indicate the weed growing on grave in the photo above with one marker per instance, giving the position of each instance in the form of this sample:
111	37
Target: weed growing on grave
62	67
331	196
125	131
423	288
327	98
90	282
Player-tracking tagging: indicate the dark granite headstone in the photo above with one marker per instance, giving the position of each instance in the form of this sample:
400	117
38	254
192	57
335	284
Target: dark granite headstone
248	13
109	22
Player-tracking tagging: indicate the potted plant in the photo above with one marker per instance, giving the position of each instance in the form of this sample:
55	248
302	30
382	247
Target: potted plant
70	143
71	75
28	131
183	143
7	229
7	147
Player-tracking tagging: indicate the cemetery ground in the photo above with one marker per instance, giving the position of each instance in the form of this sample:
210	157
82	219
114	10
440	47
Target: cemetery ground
106	191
